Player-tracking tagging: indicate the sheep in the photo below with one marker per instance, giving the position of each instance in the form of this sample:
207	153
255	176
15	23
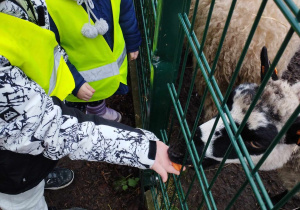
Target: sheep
270	32
278	101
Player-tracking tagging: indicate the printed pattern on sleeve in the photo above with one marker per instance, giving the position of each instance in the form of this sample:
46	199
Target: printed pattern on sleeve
40	126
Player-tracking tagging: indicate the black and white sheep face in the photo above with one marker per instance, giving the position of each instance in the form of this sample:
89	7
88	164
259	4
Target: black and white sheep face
275	106
278	101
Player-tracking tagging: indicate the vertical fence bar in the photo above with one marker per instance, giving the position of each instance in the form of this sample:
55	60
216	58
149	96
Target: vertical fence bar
168	40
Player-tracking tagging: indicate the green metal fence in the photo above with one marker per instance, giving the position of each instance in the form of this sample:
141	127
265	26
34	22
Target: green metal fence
164	70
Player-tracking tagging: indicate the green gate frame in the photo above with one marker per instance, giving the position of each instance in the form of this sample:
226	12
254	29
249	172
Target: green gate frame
158	69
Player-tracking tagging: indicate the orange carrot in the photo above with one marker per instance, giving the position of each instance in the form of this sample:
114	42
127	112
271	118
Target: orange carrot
177	166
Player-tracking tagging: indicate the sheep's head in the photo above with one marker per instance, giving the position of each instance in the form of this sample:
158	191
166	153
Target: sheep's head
277	102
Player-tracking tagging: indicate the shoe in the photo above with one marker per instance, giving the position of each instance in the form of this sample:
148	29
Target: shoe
103	111
59	178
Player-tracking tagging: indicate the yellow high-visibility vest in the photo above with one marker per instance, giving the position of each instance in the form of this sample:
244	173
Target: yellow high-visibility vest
34	50
100	66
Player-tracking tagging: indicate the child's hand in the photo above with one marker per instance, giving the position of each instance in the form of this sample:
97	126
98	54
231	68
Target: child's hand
133	55
163	164
85	92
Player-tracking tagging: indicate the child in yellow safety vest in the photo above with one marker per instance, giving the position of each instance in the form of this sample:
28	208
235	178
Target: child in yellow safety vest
96	49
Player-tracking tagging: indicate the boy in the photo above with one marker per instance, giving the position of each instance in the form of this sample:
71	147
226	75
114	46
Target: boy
97	51
36	130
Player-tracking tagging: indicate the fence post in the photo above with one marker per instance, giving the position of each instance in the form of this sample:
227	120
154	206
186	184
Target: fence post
167	47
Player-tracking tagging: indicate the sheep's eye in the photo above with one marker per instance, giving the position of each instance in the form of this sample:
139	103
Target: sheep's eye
255	144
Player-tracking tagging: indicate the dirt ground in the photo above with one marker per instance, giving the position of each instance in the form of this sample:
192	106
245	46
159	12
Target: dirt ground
228	183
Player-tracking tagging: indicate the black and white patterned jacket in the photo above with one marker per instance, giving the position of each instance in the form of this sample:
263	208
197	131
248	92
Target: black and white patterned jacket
33	123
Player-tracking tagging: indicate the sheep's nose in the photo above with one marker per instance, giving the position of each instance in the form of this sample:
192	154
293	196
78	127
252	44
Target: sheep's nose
176	153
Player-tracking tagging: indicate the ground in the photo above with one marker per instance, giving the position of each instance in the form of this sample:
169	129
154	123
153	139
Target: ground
227	184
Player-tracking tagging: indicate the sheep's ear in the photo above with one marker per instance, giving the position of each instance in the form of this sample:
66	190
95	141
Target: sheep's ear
293	134
265	65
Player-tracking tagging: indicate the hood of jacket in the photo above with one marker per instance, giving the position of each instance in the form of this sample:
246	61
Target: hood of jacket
32	10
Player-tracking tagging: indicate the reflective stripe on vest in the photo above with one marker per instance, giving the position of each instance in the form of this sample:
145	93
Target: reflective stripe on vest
34	50
53	77
106	71
103	68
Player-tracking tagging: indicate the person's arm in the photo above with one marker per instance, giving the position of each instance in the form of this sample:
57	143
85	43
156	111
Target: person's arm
33	123
92	138
129	26
79	81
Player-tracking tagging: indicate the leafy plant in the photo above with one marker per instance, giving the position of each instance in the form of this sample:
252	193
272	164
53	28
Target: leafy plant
125	182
